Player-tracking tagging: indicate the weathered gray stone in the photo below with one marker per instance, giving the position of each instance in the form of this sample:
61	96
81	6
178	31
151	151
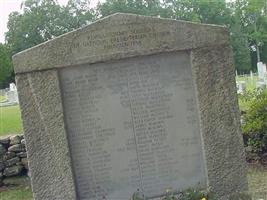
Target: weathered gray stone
4	140
17	148
2	166
15	139
13	171
24	162
17	181
22	154
8	155
2	150
53	172
12	161
23	141
28	173
172	80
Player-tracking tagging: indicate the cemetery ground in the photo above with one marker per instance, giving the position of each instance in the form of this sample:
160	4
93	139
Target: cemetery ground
11	124
16	193
250	82
2	98
10	120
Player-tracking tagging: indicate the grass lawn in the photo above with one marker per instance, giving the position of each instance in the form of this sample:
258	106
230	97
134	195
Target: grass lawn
2	98
250	82
10	121
16	193
250	86
257	181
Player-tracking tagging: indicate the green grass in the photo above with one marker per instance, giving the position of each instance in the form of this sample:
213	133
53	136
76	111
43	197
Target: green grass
250	82
250	86
10	120
257	182
2	98
17	193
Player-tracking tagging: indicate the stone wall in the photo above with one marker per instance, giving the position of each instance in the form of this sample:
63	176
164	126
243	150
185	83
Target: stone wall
13	157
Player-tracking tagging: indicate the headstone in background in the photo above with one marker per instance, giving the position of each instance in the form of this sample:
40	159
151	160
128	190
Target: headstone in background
241	87
261	70
251	75
12	87
131	103
261	85
12	94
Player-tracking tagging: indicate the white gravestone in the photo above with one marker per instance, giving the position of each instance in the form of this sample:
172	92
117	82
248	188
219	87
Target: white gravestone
261	70
261	85
241	87
12	94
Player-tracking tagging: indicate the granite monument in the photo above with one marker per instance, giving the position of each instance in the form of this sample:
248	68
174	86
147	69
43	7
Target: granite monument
131	103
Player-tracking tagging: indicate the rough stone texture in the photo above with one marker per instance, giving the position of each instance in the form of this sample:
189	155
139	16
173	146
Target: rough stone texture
22	154
16	159
13	171
4	140
2	166
17	148
1	181
24	162
12	161
8	155
46	141
219	114
2	150
15	139
213	76
17	181
23	141
154	34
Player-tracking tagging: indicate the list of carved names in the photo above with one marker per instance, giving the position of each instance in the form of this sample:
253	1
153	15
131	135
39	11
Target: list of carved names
132	126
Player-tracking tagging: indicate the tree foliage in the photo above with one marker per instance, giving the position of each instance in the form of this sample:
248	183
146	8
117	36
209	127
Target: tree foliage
143	7
204	11
5	66
254	127
253	17
41	20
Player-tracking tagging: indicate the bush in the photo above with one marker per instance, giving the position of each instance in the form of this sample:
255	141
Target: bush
254	121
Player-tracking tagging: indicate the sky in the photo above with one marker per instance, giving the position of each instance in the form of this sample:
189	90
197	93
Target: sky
8	6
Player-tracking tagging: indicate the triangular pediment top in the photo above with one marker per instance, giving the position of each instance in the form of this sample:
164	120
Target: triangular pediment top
116	36
130	16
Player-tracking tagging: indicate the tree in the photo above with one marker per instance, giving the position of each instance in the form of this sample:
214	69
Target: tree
239	43
77	13
143	7
43	20
215	12
253	15
204	11
5	66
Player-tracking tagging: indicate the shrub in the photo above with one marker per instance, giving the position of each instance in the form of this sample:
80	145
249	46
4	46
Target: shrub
254	121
